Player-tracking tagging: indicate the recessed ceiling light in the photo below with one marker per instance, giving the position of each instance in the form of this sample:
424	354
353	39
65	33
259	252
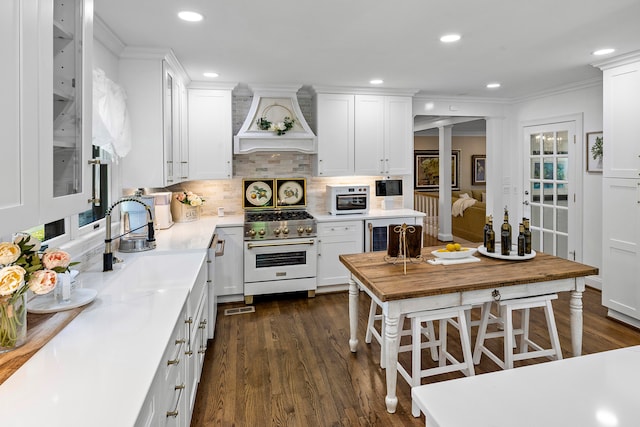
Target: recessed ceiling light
493	85
603	51
449	38
376	81
187	15
212	75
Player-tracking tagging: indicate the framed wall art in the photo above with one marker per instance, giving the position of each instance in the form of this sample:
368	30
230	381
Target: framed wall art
594	144
478	169
427	170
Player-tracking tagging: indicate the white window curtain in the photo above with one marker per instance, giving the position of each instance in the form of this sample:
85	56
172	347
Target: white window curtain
111	123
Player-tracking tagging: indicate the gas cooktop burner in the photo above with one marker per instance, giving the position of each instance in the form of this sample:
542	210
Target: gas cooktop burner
278	224
268	216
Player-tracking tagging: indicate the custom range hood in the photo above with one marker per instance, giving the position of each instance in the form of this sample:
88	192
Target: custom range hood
275	105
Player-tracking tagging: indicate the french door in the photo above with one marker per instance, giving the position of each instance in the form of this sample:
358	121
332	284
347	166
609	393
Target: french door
551	172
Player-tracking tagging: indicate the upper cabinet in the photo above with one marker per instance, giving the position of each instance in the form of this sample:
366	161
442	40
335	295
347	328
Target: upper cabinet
364	134
19	115
65	108
210	132
155	85
334	122
621	107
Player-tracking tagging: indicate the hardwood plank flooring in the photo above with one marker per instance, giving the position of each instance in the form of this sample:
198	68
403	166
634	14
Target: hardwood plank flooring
289	364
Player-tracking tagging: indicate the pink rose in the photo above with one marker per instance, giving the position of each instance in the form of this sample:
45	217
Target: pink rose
43	281
181	197
56	258
10	279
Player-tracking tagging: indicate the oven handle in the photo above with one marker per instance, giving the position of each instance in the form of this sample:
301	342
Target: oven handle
264	245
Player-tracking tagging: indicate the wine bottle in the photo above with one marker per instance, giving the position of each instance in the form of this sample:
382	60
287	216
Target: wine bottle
521	240
527	236
505	234
490	240
484	232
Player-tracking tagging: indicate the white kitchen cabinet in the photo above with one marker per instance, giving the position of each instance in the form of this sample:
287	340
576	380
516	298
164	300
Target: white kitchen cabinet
229	275
334	239
383	135
621	252
210	133
153	80
65	108
166	402
335	128
621	127
19	115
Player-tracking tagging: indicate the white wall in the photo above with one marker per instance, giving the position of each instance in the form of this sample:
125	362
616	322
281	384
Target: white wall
587	101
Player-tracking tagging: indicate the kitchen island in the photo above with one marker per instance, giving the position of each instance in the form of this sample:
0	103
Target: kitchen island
427	286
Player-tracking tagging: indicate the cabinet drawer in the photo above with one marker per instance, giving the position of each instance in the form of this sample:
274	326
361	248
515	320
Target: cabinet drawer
341	228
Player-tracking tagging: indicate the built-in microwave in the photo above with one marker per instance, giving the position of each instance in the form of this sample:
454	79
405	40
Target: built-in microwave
348	199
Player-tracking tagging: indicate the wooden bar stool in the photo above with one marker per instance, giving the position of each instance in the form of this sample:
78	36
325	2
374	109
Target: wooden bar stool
378	334
508	332
445	316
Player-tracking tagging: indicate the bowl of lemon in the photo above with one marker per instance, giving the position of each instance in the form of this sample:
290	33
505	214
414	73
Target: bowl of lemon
453	251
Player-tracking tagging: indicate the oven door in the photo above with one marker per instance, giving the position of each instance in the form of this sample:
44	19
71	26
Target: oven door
285	259
350	203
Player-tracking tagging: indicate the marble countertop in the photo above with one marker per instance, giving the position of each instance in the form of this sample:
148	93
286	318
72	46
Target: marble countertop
98	369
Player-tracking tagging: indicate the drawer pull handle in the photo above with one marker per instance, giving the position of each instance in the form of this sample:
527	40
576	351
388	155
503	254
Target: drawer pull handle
188	353
174	413
190	321
173	362
180	341
202	350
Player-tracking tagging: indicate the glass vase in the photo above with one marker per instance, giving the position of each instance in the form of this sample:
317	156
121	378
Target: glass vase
13	322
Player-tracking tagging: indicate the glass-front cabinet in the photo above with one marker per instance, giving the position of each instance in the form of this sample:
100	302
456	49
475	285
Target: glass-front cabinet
65	171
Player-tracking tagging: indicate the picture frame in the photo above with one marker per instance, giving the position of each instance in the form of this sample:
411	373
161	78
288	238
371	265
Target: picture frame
427	170
594	144
478	169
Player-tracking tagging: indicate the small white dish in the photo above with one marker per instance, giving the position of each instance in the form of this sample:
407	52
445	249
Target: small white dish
462	253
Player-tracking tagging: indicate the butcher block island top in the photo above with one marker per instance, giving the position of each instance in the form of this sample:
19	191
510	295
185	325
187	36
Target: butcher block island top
387	281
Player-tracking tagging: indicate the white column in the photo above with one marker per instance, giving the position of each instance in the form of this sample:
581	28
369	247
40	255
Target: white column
444	211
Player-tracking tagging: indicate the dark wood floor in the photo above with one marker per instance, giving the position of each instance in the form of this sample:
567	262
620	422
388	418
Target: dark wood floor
289	364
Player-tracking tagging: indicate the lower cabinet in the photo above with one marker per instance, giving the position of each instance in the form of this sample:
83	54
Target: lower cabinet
172	395
334	239
229	268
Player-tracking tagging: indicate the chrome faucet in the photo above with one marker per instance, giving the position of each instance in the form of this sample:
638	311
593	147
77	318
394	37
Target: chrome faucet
107	257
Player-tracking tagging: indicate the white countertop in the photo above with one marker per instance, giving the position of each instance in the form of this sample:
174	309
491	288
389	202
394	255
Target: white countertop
98	369
597	390
372	214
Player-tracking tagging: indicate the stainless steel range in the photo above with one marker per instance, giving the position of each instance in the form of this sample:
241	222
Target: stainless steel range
280	252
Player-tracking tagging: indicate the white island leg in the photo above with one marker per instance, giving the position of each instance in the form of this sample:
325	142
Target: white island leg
575	310
391	341
353	315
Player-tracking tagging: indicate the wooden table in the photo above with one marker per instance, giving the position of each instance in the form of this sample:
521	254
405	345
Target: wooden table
590	391
426	287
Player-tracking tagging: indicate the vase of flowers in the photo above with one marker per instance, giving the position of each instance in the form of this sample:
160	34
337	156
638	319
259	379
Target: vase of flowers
22	269
185	206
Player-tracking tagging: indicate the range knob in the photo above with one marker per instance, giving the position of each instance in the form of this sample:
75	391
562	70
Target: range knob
261	232
252	233
300	230
308	229
285	230
276	231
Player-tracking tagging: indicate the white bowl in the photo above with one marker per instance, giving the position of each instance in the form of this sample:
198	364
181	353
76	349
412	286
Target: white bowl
462	253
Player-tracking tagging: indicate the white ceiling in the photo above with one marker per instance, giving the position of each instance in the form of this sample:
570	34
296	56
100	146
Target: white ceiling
528	46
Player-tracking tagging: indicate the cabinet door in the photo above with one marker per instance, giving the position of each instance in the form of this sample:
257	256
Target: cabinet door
210	134
369	135
170	128
334	239
229	267
65	109
398	135
335	126
621	126
18	115
621	254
